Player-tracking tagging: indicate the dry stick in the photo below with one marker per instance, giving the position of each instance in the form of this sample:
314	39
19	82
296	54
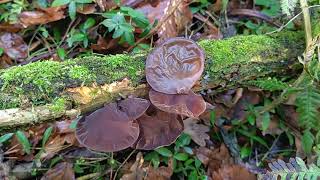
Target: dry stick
116	173
157	27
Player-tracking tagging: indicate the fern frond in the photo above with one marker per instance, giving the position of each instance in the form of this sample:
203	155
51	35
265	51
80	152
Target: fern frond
287	6
294	169
308	103
270	84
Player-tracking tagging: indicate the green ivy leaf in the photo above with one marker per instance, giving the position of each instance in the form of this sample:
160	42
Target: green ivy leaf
89	23
164	152
56	3
24	142
5	137
72	8
129	38
181	156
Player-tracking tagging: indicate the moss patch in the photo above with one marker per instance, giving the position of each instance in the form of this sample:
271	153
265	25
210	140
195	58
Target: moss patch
41	82
236	54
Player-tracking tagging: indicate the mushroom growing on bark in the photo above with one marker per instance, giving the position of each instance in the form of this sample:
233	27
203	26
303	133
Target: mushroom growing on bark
107	130
134	107
159	129
191	104
172	69
175	66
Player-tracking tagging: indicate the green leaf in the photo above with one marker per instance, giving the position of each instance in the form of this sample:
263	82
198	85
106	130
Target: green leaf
24	142
72	9
212	118
251	119
61	53
245	152
5	137
129	38
308	103
154	158
42	3
265	121
109	24
60	2
83	1
1	51
74	122
126	27
89	23
307	141
164	152
46	136
181	156
117	33
183	140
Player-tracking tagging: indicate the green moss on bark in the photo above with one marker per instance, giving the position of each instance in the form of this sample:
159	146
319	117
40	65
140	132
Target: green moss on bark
41	82
230	61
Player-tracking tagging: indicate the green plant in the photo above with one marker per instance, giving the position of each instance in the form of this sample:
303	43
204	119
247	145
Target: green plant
185	164
294	169
123	22
72	5
9	11
287	6
78	35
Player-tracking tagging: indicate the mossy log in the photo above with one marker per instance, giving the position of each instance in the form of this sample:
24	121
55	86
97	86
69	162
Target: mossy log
46	90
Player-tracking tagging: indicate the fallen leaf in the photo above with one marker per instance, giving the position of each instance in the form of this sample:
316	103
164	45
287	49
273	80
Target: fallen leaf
161	173
140	171
55	144
172	21
62	171
197	132
177	22
87	9
137	170
14	46
13	28
233	172
41	16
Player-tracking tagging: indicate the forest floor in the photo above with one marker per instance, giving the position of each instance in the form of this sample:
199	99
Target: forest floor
265	130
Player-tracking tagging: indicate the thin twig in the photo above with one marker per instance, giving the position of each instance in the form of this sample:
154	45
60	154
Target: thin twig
116	173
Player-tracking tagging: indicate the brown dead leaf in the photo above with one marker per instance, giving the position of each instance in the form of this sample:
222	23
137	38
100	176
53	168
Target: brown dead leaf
197	132
102	44
41	16
140	171
87	9
62	171
161	173
56	144
137	170
173	16
220	164
233	172
14	46
13	28
178	21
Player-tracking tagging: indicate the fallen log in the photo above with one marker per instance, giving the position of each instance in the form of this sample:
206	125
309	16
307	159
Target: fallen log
47	90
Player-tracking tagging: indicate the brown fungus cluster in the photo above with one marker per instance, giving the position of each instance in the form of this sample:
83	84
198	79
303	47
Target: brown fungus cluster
172	69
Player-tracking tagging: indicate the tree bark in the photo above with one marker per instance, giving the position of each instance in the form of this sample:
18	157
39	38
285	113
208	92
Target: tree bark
47	90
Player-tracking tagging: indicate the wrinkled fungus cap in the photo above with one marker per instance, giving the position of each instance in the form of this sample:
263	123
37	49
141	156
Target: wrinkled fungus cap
191	104
158	130
134	107
107	130
175	66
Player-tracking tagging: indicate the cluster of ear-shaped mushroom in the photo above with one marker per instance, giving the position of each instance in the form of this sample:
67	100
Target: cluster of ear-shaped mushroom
172	69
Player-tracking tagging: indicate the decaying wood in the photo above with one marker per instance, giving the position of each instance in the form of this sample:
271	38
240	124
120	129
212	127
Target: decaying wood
242	65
